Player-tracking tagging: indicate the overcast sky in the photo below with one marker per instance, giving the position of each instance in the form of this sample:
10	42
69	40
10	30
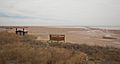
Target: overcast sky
60	12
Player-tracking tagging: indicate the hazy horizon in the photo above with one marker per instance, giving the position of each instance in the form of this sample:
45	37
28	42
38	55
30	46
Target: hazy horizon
59	13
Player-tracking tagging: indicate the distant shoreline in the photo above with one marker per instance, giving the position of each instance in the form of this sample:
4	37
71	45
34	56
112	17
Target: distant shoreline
86	27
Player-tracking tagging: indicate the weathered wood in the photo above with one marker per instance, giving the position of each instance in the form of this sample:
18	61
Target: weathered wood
56	37
21	32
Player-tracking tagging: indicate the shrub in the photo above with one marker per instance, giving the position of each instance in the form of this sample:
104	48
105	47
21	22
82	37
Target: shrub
25	54
28	38
18	51
6	37
25	50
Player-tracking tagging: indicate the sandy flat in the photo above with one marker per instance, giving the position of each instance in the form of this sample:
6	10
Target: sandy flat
77	35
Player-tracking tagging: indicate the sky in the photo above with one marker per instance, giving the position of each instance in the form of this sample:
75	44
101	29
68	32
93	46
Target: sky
59	12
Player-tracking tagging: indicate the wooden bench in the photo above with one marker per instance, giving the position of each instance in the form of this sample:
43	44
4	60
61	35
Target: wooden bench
57	37
21	32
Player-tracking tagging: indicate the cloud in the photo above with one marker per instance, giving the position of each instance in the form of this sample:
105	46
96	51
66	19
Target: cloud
70	12
15	17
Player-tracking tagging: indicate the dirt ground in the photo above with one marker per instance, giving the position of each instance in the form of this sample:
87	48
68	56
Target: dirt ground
82	35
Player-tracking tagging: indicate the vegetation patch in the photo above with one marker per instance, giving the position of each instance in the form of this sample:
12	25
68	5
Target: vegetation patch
26	50
19	51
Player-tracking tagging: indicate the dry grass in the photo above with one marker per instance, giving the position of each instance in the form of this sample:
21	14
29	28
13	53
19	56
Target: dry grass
96	54
16	50
25	50
7	38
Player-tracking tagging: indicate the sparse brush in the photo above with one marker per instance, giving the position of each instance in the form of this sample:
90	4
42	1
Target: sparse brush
26	50
22	52
7	38
28	38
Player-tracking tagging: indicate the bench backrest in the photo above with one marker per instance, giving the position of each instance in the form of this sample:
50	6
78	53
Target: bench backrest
57	37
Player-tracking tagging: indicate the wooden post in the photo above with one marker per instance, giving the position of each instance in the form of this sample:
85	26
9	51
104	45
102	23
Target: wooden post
23	32
16	31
